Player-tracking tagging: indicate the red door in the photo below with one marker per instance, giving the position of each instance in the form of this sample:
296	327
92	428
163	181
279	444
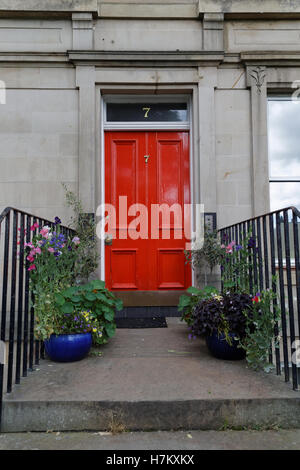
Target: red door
147	173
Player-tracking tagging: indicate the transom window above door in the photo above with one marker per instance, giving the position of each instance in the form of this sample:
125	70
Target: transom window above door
146	112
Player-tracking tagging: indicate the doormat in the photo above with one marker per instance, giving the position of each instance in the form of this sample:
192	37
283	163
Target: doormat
153	322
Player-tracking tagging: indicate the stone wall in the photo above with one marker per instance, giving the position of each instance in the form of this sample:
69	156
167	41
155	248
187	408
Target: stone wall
58	57
39	139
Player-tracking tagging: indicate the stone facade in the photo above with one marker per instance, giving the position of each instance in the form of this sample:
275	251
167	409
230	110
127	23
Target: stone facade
58	57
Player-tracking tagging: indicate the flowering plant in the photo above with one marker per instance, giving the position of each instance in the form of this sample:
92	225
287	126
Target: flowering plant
95	299
51	254
188	302
236	261
260	327
50	258
82	322
61	305
223	313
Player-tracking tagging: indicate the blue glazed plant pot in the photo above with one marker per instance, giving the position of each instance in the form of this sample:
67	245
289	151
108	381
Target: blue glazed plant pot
219	347
68	348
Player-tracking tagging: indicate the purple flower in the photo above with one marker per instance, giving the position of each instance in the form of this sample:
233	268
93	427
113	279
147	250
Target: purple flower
238	247
251	242
57	221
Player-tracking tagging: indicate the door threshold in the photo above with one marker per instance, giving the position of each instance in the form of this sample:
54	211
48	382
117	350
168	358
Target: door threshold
149	298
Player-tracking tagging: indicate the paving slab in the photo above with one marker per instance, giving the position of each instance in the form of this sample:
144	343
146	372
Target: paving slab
161	440
149	379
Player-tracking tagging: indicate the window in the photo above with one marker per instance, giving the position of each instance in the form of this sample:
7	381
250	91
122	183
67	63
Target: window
145	112
284	152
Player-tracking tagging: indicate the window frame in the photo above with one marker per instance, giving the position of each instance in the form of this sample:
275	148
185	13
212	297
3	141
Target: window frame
278	179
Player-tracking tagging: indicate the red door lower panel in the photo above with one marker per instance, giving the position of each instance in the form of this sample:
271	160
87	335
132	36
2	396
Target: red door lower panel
147	184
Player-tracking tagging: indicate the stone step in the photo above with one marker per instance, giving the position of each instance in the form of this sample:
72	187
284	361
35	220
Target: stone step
31	416
150	379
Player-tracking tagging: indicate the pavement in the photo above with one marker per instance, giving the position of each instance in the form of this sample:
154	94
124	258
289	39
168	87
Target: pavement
161	440
149	380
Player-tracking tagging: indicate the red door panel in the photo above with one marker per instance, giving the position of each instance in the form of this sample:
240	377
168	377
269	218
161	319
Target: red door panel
150	169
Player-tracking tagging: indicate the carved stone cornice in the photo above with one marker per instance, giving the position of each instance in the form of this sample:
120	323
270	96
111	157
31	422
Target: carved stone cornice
160	59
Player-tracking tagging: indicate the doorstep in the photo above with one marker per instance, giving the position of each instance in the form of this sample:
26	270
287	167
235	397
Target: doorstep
149	379
150	298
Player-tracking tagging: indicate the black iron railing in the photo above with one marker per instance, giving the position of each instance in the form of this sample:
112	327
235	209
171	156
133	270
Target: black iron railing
17	315
274	261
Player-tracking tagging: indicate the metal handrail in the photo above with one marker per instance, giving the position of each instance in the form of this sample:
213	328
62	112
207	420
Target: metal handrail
277	236
17	314
292	208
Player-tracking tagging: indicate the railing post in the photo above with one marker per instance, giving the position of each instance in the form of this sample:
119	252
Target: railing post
290	297
20	298
12	304
274	288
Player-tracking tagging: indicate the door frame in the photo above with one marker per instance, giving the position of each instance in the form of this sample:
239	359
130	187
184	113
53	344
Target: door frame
142	126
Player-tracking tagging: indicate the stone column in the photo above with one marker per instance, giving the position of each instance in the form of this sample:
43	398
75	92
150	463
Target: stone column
256	80
207	134
85	81
207	157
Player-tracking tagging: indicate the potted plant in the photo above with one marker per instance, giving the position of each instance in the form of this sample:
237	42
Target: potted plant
235	323
221	320
69	316
84	315
72	340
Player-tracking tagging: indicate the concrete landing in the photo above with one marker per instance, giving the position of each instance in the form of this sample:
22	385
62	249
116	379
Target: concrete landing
150	379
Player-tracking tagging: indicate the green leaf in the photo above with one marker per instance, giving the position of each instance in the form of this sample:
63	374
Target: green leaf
67	307
59	299
69	292
101	296
109	316
193	290
76	298
184	301
97	284
110	330
119	305
90	296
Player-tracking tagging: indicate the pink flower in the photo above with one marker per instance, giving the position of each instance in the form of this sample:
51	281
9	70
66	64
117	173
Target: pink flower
37	250
32	267
30	258
51	250
29	244
76	240
45	232
229	247
34	226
